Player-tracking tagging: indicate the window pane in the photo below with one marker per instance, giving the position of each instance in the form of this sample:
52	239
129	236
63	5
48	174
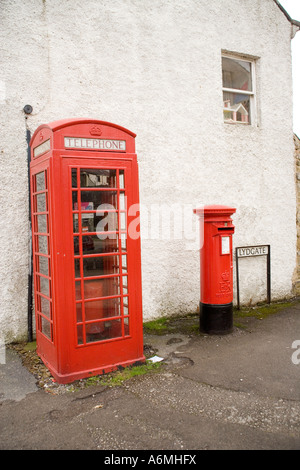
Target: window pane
126	326
91	200
123	242
79	334
44	306
103	330
236	108
92	244
45	327
100	266
77	267
44	286
122	201
40	181
101	288
79	312
43	244
98	178
41	202
236	74
43	266
91	222
75	223
102	309
121	179
77	290
122	221
74	178
124	262
42	223
74	200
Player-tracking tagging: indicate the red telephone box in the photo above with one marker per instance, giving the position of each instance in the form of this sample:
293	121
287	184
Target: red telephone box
87	269
216	269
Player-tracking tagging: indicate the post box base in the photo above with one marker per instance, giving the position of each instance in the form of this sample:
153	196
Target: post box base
216	319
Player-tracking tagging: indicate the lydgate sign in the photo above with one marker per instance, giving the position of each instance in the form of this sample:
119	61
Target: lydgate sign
244	251
252	251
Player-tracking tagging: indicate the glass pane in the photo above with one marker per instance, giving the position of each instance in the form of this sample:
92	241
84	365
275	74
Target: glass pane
41	202
92	244
91	200
236	74
42	244
123	242
236	108
40	181
122	221
42	266
78	290
45	327
44	286
74	178
76	245
77	267
122	201
103	330
42	223
100	266
102	309
90	178
79	312
121	179
79	334
74	200
125	307
126	326
101	288
75	223
108	222
124	262
45	306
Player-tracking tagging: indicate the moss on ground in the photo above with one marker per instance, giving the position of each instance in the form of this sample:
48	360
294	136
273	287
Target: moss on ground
189	324
262	311
181	324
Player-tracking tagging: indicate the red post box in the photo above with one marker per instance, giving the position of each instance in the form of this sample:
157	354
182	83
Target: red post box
87	269
216	269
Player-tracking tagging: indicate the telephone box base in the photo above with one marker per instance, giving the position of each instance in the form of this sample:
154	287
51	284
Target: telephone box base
216	319
84	374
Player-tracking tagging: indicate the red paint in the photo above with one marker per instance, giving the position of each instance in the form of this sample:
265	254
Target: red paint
216	269
87	289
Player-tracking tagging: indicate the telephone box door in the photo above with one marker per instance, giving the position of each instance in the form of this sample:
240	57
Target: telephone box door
103	262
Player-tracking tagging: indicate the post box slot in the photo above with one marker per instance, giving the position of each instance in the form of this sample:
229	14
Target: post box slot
224	229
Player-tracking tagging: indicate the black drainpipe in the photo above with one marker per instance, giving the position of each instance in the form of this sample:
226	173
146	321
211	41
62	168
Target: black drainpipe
28	110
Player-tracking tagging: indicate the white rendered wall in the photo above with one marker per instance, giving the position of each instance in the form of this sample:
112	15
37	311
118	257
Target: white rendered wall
154	67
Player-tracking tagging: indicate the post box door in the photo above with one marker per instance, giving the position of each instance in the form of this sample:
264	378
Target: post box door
102	261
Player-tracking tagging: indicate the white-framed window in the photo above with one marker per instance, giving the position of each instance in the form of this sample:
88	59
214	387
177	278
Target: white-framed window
238	80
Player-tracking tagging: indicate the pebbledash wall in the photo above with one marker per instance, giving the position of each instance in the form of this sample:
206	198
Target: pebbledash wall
154	67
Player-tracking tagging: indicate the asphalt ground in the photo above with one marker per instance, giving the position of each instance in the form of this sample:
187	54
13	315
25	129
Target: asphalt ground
239	391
